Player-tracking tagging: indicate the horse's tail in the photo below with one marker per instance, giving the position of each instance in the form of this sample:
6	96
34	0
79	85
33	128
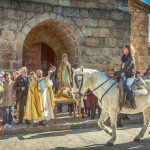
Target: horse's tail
147	82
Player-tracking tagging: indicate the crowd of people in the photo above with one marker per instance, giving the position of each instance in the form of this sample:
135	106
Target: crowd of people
22	90
19	90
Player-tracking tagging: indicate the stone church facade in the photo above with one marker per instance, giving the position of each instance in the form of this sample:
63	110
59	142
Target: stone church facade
34	33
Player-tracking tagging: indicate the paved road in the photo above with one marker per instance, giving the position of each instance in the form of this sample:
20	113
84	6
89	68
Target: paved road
83	139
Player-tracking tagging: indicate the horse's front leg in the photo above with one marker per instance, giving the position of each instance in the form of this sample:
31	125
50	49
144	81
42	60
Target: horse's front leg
146	115
113	119
104	116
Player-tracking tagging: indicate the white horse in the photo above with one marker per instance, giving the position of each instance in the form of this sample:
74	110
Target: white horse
87	78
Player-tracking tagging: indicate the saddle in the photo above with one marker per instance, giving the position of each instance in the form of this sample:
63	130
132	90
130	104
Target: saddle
138	87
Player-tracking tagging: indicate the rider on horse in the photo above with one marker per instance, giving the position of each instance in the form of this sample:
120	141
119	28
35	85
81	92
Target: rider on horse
128	72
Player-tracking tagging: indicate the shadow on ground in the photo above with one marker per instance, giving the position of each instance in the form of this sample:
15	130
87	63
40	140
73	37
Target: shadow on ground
142	145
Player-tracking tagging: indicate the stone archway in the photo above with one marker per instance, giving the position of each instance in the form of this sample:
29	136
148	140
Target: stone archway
57	36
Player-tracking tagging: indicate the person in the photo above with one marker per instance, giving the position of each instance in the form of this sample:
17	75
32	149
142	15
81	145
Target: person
8	100
40	101
64	79
32	75
1	84
147	74
52	72
21	86
15	74
128	72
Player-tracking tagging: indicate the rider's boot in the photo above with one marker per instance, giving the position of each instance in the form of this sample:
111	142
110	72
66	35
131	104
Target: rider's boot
132	101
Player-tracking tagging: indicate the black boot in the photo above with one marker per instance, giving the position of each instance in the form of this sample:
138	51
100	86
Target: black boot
132	101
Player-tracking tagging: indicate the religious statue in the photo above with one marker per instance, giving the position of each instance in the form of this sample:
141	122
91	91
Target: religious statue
64	81
64	73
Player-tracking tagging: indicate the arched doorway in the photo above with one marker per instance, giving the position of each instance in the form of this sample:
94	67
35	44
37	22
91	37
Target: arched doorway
49	39
39	56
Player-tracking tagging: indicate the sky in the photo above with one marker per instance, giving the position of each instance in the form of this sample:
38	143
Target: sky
147	1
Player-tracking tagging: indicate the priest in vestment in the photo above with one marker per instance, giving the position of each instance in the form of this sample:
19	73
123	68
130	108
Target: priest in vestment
40	102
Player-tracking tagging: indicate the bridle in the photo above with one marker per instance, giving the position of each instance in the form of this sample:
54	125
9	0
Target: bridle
77	84
79	92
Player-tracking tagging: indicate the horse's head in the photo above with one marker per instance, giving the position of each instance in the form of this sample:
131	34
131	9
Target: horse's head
80	82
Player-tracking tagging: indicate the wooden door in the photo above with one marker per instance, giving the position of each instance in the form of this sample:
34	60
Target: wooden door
32	57
47	57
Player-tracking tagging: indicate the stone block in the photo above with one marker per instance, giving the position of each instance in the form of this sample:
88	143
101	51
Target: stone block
71	12
19	46
93	42
3	44
30	15
91	22
127	34
11	46
11	13
10	24
0	32
20	37
1	12
26	30
27	6
7	55
7	3
48	8
84	13
33	22
95	13
9	35
64	2
101	32
5	64
54	2
87	31
143	33
90	4
15	4
37	7
58	9
122	25
39	18
22	15
118	33
1	24
110	42
127	16
17	56
117	15
16	65
2	3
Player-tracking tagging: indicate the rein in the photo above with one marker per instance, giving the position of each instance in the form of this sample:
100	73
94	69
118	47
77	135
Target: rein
97	87
107	91
76	82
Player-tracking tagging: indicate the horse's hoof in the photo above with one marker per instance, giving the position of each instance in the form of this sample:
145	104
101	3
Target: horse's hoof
109	144
136	140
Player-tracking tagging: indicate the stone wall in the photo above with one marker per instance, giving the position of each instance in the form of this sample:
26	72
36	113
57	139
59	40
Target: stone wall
139	34
99	29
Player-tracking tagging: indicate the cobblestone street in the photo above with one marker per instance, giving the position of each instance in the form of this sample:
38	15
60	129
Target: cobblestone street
80	139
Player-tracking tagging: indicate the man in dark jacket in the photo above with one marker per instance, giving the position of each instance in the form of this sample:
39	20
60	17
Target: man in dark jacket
21	86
